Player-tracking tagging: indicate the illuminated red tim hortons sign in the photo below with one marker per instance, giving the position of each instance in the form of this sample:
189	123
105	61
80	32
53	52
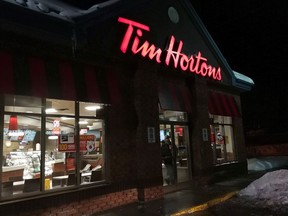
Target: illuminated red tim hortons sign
172	55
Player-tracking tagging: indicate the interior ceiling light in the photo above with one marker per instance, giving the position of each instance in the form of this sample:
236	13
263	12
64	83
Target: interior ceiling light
83	122
53	137
66	118
50	110
92	108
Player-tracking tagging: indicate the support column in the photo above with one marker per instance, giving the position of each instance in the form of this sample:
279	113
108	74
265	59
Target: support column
149	170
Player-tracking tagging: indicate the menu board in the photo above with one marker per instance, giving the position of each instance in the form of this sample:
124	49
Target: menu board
29	135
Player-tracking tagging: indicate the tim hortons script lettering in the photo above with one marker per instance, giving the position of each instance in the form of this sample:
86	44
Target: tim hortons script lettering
172	55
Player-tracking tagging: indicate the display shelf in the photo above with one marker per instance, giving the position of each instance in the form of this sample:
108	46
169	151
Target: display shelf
31	162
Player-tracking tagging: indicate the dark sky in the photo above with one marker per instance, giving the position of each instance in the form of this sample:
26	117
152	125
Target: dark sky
252	36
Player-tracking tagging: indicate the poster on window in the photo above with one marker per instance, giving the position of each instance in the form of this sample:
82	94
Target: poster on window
67	143
87	143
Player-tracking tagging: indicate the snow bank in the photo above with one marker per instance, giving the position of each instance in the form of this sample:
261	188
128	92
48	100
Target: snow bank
270	189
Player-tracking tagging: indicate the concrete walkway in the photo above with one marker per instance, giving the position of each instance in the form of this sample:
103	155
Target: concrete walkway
187	200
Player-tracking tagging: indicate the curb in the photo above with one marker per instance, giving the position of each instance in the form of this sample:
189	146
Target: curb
206	205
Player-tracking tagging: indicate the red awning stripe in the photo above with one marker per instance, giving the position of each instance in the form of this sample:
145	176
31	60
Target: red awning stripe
67	81
233	106
221	104
6	73
113	87
38	77
92	89
225	105
51	78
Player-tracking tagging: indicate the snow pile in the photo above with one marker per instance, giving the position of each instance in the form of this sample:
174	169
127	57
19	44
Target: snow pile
270	189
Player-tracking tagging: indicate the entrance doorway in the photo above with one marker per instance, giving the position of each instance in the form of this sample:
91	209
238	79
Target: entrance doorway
177	137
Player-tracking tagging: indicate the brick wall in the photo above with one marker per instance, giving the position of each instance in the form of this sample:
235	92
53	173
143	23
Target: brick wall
88	206
151	193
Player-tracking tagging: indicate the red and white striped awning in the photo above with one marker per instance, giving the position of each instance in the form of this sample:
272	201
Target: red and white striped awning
221	104
59	79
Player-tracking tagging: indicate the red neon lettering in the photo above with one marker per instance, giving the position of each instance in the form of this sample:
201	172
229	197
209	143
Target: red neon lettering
175	54
129	31
194	64
145	48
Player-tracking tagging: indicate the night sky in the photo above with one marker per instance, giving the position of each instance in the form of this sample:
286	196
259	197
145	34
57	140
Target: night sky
252	36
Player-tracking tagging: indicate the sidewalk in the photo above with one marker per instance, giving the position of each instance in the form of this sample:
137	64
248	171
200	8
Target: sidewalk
188	200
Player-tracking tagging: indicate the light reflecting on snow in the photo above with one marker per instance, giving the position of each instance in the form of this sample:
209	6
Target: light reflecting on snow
269	190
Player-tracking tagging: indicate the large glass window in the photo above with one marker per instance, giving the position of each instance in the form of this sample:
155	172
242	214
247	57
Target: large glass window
222	139
41	149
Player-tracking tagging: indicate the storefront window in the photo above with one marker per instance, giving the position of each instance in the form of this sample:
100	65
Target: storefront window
34	136
222	139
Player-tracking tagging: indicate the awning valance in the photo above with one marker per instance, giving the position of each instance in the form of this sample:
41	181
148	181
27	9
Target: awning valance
221	104
59	79
174	97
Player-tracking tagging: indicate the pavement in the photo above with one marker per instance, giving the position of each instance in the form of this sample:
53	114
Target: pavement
190	199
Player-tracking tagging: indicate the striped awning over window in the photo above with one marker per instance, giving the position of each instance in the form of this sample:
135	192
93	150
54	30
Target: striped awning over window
59	79
221	104
174	97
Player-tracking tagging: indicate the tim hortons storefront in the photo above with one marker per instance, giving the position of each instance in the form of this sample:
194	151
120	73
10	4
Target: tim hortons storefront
89	98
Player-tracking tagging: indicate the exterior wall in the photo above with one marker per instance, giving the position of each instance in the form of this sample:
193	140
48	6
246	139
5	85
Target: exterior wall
134	170
149	170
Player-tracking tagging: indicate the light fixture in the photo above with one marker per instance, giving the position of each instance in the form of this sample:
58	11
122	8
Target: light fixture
66	118
92	108
50	110
83	122
54	137
13	122
8	143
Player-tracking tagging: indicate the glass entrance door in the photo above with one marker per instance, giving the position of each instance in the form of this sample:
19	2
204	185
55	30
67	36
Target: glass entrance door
174	150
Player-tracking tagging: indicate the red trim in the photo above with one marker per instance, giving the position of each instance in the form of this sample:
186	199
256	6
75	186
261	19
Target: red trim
6	73
224	105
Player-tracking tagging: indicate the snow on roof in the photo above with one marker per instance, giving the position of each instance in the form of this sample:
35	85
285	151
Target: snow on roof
60	8
242	81
243	77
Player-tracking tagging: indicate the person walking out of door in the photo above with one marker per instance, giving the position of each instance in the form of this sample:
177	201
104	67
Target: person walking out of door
167	156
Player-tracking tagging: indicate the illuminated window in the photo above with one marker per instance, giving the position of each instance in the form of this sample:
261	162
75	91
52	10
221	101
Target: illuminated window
222	139
40	133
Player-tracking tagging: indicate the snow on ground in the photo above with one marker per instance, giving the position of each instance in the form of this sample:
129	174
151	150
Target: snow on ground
269	190
272	188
